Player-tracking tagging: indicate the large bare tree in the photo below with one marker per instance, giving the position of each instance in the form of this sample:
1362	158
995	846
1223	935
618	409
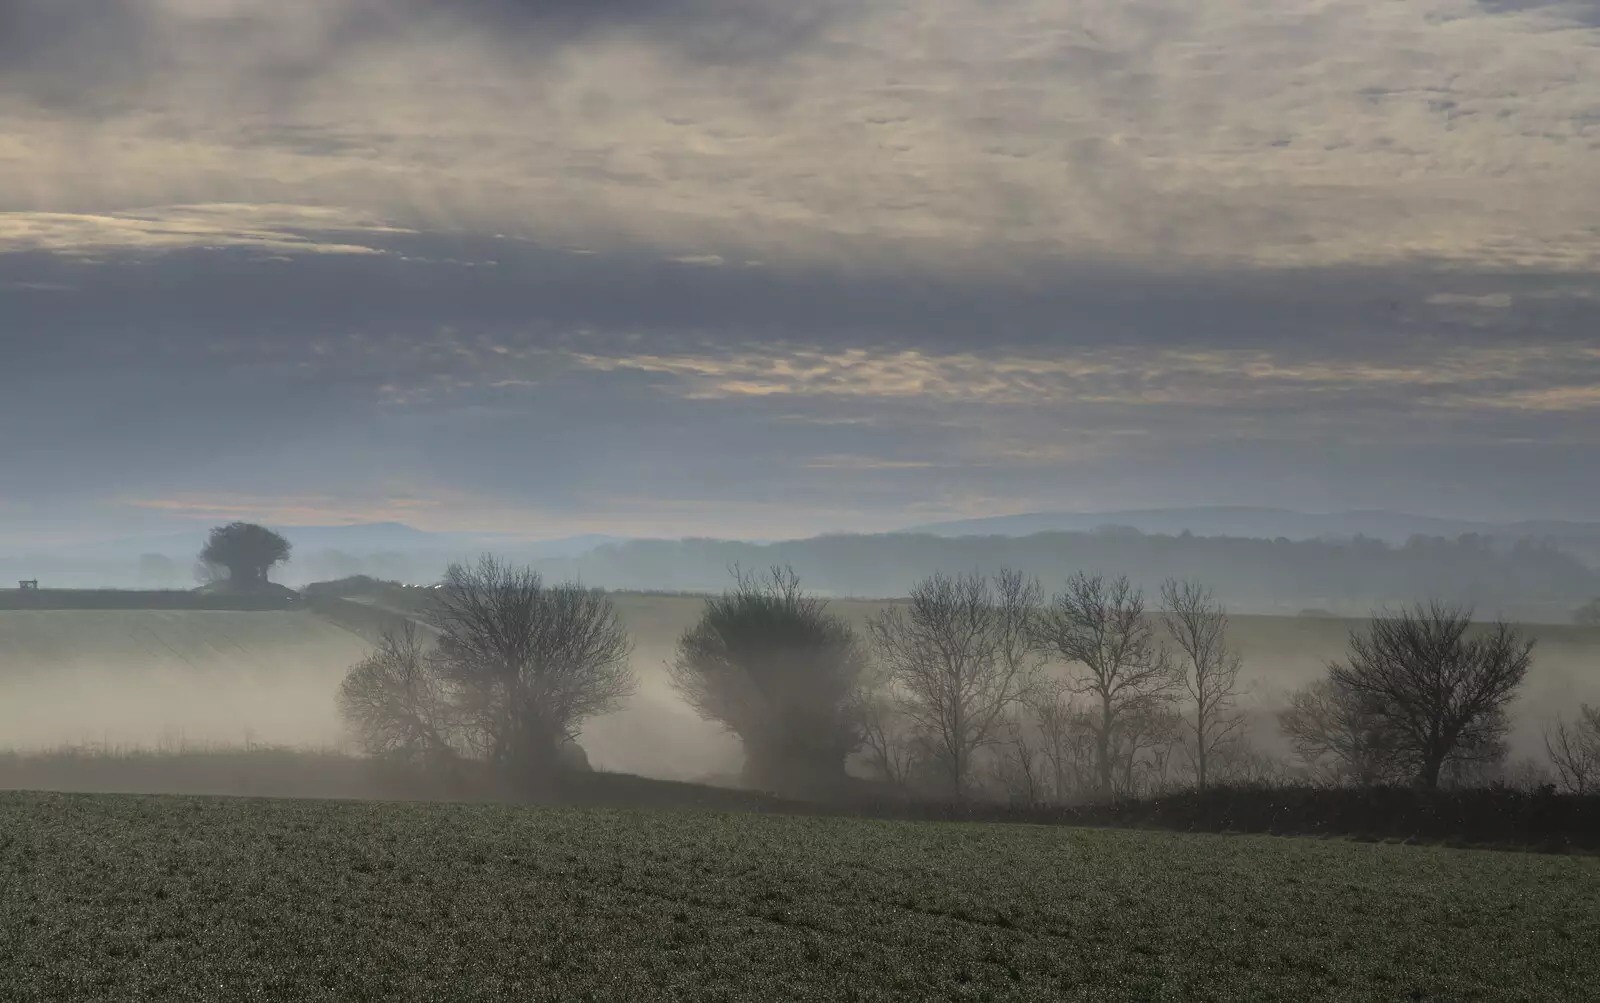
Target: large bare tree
1440	688
773	666
517	667
960	655
1198	627
1099	628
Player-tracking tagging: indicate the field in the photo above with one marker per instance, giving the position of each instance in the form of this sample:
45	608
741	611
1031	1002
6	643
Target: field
122	897
143	677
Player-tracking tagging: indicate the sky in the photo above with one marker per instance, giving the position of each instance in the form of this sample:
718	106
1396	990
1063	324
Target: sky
759	268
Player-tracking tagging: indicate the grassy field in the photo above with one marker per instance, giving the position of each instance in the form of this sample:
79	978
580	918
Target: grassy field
134	898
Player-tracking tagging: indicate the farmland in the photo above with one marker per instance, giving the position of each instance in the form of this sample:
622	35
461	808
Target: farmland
122	897
143	677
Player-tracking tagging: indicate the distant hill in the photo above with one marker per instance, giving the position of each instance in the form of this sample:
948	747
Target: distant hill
1582	539
1346	577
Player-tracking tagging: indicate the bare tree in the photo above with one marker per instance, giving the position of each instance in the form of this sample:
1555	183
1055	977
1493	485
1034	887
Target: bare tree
1333	728
397	704
774	667
526	663
1100	627
1574	751
1441	692
889	740
961	655
1143	743
1198	625
1021	764
1066	740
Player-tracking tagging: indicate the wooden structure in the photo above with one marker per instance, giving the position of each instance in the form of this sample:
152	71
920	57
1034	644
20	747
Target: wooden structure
30	585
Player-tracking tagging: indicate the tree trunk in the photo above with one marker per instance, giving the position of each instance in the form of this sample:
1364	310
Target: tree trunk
1432	764
1103	749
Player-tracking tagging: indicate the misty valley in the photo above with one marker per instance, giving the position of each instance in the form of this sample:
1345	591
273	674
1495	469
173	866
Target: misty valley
871	501
975	702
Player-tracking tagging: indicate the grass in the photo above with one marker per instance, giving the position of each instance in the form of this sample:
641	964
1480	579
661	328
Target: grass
135	898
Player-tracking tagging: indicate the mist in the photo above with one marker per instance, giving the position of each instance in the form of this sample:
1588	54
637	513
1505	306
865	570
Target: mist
198	683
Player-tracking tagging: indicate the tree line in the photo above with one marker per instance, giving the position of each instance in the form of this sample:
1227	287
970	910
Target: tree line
976	686
1354	574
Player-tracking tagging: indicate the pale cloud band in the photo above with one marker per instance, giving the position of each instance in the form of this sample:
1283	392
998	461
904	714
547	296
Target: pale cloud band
1299	132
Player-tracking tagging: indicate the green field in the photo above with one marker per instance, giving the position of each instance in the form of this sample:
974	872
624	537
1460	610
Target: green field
147	898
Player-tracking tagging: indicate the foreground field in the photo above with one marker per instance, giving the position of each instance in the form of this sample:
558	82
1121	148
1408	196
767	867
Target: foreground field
123	897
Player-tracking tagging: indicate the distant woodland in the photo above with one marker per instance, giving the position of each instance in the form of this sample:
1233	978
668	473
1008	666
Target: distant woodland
1525	579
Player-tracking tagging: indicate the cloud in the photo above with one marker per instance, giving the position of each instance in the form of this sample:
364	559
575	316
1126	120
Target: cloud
555	258
314	510
294	229
1181	378
946	132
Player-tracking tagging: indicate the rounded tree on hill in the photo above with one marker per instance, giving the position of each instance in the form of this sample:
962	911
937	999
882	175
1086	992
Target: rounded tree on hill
246	550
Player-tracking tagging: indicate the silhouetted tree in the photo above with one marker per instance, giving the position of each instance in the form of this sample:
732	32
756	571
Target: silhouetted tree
1198	626
890	743
525	664
775	668
1442	693
398	704
246	550
1333	728
1099	628
960	654
1066	739
1574	751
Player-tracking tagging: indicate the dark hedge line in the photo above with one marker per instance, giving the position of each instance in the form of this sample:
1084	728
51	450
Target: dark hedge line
1541	821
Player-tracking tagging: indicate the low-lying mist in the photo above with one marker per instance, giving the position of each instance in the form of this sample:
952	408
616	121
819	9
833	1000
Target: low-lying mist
157	680
175	681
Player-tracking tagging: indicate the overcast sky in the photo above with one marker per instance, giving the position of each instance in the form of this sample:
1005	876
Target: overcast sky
758	267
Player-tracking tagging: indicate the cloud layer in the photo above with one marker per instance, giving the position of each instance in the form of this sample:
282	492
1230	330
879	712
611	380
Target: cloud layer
742	266
1306	131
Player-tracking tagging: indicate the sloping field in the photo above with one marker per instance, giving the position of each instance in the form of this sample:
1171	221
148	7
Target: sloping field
142	677
122	898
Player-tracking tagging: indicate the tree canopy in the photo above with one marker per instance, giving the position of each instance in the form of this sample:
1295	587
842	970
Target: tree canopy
246	550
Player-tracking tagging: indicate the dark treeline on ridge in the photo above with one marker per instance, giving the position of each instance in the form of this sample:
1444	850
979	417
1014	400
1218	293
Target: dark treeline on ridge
1526	580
